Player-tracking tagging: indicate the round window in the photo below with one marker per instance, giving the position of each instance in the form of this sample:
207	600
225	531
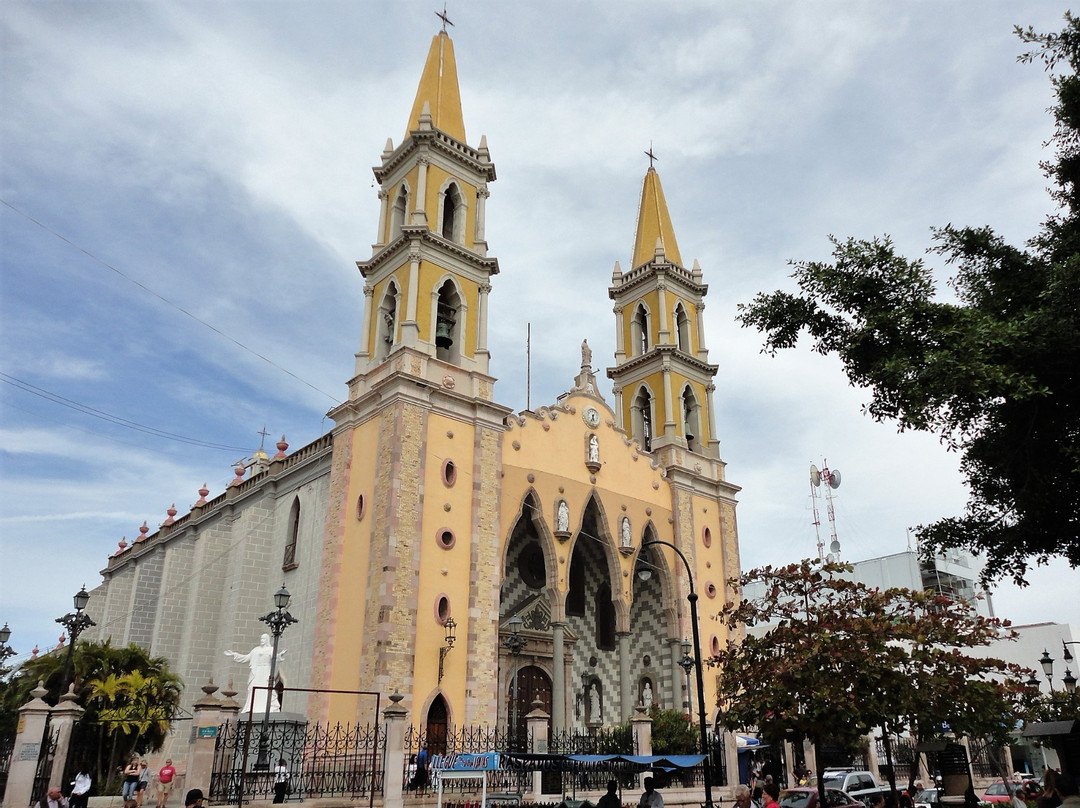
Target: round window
442	608
445	537
449	472
706	537
361	505
710	589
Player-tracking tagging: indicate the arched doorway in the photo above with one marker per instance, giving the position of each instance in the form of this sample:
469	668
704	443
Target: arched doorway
437	720
533	684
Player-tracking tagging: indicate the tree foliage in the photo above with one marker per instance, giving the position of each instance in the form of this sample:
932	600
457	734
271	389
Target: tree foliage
839	660
673	732
128	696
992	372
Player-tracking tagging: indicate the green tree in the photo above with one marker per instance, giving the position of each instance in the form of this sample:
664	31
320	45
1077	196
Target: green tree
673	732
993	372
128	696
839	660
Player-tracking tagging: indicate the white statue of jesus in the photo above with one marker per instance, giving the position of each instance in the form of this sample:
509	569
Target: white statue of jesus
258	661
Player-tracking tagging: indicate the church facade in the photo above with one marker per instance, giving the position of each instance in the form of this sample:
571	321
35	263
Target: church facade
433	527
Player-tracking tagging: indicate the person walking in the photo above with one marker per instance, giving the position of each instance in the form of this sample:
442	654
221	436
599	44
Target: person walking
144	781
80	789
281	781
166	774
131	780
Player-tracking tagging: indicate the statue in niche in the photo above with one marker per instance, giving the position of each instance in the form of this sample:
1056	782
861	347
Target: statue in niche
258	662
626	540
646	695
594	449
562	517
595	713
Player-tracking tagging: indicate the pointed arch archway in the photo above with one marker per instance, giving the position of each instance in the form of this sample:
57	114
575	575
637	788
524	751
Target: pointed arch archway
654	622
387	321
449	313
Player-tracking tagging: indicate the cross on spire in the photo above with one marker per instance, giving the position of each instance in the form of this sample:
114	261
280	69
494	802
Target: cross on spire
264	433
444	18
651	156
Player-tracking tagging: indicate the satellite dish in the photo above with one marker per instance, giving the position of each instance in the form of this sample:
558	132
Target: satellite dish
830	558
835	547
815	476
834	479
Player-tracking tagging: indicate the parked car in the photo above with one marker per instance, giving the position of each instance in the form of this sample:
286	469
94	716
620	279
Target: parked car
852	782
997	792
927	798
807	797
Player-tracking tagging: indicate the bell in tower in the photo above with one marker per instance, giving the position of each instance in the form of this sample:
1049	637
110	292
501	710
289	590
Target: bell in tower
444	326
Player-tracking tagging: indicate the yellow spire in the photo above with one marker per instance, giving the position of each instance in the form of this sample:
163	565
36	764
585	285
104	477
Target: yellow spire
439	89
654	224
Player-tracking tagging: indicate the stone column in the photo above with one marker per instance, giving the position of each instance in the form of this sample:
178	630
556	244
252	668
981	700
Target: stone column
480	237
537	722
731	758
678	675
872	762
482	321
558	678
205	723
384	204
641	726
410	329
27	748
64	716
394	761
627	688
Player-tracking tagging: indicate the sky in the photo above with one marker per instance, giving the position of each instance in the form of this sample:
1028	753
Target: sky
186	187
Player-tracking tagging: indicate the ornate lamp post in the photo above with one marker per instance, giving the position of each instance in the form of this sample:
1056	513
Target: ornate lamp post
1047	663
687	664
448	642
76	623
515	642
5	649
278	621
644	573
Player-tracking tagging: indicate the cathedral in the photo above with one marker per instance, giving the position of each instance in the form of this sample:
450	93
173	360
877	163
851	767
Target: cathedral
478	562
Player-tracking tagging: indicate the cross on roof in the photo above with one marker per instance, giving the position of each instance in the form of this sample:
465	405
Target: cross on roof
444	18
264	433
651	156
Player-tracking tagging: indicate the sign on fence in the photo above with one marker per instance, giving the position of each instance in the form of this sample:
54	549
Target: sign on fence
464	762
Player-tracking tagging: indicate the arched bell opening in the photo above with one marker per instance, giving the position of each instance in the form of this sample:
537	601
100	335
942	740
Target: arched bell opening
447	322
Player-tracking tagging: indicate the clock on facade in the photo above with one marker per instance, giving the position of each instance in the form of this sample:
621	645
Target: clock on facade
591	416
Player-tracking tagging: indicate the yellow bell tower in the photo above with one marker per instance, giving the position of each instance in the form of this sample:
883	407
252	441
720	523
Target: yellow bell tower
417	446
429	275
662	377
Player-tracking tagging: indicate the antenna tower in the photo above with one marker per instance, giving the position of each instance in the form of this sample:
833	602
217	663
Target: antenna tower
831	478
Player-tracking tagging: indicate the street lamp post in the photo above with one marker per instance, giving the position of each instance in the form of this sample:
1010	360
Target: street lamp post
76	623
1047	663
5	649
278	620
687	664
692	598
515	642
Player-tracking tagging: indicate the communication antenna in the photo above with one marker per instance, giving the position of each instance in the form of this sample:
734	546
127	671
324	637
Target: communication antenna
831	478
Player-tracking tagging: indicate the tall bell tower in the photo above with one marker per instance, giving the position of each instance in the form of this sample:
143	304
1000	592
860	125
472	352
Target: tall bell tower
663	381
428	278
417	446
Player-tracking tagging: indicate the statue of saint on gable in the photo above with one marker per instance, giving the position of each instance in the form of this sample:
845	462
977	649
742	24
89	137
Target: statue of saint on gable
594	449
626	538
562	520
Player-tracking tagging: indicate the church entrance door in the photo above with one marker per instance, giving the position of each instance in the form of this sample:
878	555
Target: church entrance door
436	727
533	685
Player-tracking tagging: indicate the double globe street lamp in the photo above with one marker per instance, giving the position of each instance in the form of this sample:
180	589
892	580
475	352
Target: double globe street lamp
644	573
5	649
76	623
278	620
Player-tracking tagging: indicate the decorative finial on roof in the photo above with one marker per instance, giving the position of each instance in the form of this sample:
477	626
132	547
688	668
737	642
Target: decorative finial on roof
122	544
281	447
202	494
172	515
143	530
238	470
651	156
444	18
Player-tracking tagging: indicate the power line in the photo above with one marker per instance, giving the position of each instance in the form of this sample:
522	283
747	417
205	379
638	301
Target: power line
113	419
165	300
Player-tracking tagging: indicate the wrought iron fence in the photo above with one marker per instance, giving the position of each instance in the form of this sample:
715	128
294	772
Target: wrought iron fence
599	741
987	760
324	760
904	759
7	746
45	762
468	740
